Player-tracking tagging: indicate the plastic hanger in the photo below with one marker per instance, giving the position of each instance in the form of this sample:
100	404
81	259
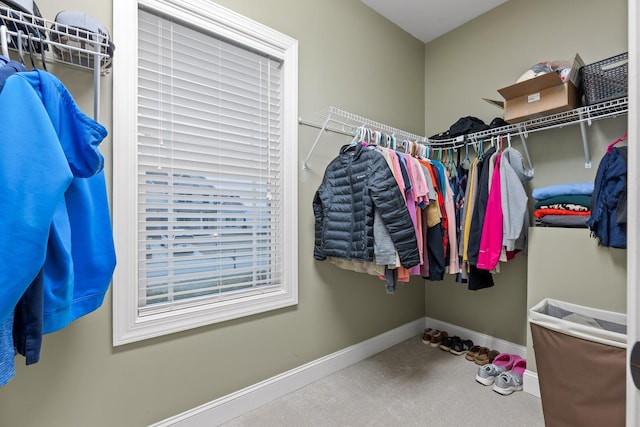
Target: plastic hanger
466	162
452	164
622	138
20	46
356	137
30	47
43	57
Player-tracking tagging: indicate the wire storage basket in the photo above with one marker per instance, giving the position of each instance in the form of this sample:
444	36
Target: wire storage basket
605	80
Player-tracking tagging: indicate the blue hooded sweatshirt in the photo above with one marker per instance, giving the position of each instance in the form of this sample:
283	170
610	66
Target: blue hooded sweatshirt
35	174
81	255
54	189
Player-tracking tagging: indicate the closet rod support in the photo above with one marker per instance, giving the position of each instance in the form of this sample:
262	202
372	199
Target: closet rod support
97	61
315	143
4	41
585	142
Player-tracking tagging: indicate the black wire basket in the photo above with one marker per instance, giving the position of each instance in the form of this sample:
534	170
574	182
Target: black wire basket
605	80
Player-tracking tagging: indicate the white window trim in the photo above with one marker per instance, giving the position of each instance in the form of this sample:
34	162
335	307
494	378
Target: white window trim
128	326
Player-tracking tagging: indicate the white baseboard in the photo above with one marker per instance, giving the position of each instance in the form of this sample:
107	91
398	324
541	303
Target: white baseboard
478	338
530	380
238	403
531	384
235	404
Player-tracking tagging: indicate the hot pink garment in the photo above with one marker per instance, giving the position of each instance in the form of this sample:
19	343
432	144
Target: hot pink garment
454	262
491	239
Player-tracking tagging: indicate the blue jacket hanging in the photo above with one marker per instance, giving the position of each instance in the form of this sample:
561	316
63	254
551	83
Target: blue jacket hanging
81	255
609	199
50	179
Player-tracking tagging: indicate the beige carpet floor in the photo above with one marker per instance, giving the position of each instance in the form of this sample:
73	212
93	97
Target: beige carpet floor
410	384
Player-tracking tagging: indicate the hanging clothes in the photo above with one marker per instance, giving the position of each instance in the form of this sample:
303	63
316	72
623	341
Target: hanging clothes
491	239
434	235
478	278
7	348
608	222
50	210
459	187
515	211
470	197
354	184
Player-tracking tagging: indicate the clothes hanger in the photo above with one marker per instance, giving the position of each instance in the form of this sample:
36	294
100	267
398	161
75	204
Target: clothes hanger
20	46
405	145
357	137
43	57
466	162
30	46
622	138
452	165
372	138
378	138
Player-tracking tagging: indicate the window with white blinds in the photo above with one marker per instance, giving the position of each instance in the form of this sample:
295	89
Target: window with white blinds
214	196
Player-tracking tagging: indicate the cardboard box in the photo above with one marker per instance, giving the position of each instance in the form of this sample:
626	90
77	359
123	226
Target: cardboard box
540	96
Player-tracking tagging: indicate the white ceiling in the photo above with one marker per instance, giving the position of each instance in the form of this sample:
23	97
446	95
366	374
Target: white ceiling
429	19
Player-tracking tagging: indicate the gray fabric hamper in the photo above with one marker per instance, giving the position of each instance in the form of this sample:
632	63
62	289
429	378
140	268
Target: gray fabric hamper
580	353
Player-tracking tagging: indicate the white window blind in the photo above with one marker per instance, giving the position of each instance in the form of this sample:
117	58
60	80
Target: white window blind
205	186
209	167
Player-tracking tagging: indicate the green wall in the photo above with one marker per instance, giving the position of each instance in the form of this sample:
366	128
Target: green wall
353	59
471	63
349	57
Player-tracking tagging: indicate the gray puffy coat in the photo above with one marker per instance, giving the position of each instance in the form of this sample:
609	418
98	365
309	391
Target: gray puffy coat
355	184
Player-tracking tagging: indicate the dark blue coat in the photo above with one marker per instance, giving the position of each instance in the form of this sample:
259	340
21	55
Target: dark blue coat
609	198
355	184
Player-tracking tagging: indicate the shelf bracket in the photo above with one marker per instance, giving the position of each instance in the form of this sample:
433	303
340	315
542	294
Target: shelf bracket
315	143
585	142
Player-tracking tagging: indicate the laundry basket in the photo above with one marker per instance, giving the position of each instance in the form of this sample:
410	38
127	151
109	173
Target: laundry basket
580	353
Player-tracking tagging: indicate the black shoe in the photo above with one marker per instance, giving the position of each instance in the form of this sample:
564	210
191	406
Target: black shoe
447	342
460	347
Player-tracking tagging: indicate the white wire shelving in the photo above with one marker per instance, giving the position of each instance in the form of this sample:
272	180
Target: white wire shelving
346	123
47	41
584	116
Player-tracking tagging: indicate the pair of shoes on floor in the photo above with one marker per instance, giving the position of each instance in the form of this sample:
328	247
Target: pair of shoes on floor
505	373
455	345
510	381
433	337
481	355
427	334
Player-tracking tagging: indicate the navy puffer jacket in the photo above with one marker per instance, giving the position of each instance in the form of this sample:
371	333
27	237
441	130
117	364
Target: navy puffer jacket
356	183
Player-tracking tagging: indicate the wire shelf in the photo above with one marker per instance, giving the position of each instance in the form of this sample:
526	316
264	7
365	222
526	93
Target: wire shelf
349	122
47	41
588	114
54	42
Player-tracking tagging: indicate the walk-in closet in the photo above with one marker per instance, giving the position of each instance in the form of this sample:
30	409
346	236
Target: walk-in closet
256	213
